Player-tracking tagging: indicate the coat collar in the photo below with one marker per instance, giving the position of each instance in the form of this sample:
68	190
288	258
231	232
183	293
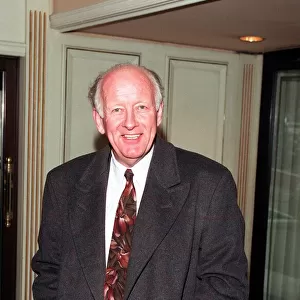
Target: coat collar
87	220
95	170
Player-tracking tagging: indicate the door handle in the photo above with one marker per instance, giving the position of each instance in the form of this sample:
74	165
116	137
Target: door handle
8	190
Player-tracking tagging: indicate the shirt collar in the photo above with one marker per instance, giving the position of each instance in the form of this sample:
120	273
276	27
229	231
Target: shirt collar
140	169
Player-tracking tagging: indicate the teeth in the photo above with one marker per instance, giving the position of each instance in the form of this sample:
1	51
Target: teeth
131	136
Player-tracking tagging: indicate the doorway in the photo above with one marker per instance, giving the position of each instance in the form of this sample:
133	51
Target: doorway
275	266
8	174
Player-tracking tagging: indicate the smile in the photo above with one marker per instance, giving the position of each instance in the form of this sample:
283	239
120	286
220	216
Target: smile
131	136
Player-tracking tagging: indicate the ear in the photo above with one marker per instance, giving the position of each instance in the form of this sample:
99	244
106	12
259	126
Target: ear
160	113
98	121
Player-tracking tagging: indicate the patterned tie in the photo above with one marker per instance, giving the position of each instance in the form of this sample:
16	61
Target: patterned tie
120	245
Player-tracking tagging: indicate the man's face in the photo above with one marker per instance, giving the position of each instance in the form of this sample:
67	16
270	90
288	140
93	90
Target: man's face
130	117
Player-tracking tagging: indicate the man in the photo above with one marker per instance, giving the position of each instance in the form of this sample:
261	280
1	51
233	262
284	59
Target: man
180	236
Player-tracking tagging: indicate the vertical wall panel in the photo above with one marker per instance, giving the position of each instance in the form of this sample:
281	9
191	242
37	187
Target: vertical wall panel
196	106
35	142
83	66
245	136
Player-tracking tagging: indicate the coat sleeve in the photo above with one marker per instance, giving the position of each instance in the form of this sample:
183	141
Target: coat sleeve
46	262
222	264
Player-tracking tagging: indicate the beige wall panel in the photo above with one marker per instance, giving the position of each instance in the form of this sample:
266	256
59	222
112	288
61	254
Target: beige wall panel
196	107
81	135
12	27
12	21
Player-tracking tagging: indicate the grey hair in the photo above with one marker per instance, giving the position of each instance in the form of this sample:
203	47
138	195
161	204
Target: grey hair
95	94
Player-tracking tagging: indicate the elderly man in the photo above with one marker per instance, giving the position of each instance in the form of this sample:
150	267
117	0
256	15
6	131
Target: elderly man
140	219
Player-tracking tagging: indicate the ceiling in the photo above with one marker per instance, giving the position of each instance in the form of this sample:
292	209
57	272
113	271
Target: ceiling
217	24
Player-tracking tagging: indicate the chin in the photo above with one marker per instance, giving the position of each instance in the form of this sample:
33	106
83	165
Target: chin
133	153
133	157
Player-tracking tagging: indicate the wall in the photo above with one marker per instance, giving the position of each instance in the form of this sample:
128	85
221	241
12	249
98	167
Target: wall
65	5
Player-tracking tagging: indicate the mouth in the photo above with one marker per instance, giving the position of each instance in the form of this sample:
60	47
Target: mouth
131	136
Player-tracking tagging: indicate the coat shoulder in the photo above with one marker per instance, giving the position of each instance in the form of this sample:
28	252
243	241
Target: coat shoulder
72	168
193	164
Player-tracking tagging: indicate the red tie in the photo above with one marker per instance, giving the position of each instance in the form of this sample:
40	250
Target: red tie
120	245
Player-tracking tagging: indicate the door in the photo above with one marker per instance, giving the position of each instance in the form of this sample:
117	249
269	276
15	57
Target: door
8	178
197	106
83	66
275	272
282	278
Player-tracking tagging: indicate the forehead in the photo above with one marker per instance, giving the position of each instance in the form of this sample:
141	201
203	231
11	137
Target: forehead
127	82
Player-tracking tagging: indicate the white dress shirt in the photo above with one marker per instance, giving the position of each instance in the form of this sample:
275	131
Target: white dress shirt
115	187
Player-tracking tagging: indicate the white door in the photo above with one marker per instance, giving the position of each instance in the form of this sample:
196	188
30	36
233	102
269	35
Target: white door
196	106
83	66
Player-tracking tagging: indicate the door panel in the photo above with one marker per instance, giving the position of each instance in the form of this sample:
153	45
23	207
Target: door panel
81	135
196	106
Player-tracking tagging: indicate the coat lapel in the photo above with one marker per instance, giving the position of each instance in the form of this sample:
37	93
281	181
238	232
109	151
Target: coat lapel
87	220
163	198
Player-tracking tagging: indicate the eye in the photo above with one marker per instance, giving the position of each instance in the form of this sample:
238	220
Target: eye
116	110
142	107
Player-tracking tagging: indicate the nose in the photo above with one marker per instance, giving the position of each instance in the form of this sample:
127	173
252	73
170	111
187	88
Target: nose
130	120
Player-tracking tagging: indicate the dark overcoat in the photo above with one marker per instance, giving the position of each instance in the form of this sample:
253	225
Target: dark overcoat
188	237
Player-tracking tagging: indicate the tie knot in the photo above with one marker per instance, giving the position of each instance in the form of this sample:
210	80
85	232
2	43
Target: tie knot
128	175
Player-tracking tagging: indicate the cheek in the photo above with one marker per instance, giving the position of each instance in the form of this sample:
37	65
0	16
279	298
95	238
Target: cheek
148	120
113	123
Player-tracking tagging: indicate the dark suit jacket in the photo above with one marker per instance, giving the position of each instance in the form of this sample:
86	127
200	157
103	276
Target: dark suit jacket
188	237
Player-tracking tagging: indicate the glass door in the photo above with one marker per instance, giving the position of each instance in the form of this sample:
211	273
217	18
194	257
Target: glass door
274	265
282	275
